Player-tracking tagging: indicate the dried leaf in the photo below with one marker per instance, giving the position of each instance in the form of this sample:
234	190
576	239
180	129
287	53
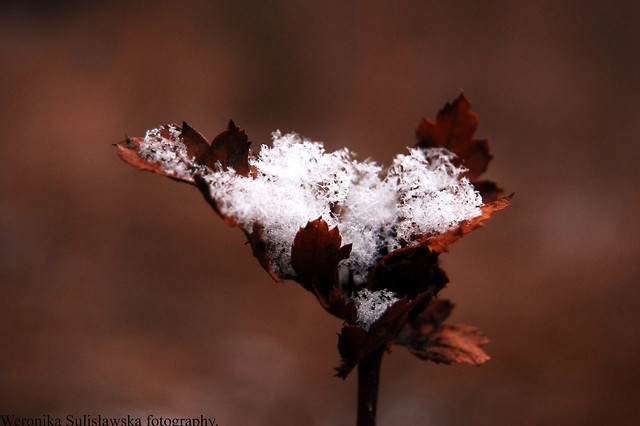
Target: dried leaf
231	149
409	271
489	190
129	151
440	243
316	252
427	338
315	255
455	343
260	249
197	145
354	343
454	129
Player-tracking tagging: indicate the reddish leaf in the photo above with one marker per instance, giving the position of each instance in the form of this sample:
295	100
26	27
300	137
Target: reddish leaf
354	343
409	271
489	190
454	343
440	243
454	128
231	149
427	338
316	252
129	151
315	255
195	143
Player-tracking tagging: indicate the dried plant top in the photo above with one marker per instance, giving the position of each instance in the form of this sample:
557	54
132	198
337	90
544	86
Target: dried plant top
363	239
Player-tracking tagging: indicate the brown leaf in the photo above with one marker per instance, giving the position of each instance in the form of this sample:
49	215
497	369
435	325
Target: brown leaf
316	252
315	255
129	151
458	343
427	338
409	271
196	144
354	343
260	248
489	190
453	343
453	129
231	149
440	243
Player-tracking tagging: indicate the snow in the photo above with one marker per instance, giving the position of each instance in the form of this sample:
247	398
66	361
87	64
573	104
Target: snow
371	305
297	181
421	193
169	152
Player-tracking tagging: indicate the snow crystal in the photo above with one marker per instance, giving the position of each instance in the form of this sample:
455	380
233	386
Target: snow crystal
296	180
169	153
433	196
372	304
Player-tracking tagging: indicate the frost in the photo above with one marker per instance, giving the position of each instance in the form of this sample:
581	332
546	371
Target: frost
296	180
372	304
169	152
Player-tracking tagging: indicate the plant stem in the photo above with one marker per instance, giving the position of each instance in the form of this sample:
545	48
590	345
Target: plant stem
368	381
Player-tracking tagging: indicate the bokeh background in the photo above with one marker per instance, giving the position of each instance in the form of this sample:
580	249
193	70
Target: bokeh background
123	293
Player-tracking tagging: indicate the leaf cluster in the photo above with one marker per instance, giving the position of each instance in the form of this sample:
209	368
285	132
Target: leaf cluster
417	319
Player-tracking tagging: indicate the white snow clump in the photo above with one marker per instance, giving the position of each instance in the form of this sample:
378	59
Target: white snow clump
297	181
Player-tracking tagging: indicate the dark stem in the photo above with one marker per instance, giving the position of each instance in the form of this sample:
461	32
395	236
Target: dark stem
368	380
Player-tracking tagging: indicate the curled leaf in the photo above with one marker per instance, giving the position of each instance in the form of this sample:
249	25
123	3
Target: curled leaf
409	271
260	249
454	343
316	252
130	150
428	338
440	243
315	255
229	149
454	129
354	343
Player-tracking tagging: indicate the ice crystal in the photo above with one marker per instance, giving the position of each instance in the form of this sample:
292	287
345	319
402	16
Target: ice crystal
296	180
169	152
371	305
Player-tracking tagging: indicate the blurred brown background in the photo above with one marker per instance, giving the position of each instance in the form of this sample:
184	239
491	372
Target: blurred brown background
123	293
